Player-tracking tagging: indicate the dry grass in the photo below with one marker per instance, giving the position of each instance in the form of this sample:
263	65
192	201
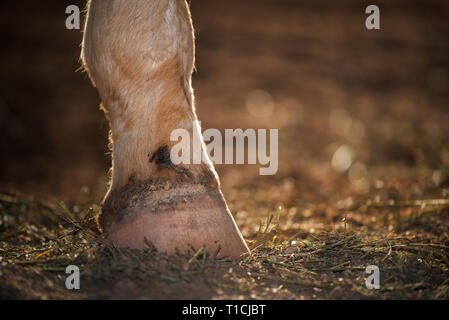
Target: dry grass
38	241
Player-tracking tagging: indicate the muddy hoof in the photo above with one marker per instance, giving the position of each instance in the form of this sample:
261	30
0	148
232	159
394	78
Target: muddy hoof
173	219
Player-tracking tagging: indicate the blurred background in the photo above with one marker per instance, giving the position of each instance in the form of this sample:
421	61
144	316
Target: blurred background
362	115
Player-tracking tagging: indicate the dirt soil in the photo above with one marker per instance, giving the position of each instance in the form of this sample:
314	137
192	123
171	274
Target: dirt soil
363	173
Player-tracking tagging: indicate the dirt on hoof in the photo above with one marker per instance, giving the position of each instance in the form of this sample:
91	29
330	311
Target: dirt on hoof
185	222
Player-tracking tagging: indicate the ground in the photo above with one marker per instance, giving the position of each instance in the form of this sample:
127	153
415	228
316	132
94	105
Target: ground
363	173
